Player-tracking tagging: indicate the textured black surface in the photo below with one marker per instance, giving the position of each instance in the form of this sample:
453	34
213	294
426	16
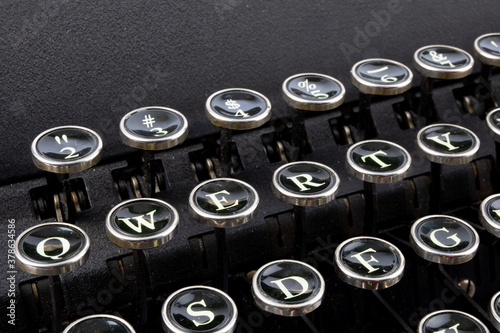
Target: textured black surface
88	63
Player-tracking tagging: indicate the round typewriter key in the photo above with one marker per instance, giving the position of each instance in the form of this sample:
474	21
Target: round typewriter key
199	309
235	109
238	109
288	288
377	77
445	144
142	223
489	214
487	49
51	249
378	161
494	310
313	92
369	263
66	149
305	183
309	92
444	239
443	62
101	323
493	124
438	62
381	77
223	202
451	321
448	144
153	128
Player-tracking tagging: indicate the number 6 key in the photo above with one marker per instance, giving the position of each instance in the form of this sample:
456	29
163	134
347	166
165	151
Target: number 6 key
377	77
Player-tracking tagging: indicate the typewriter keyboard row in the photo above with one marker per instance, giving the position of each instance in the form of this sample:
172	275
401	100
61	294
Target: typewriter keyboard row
346	217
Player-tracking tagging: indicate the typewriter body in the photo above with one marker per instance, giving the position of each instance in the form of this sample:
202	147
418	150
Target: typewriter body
88	64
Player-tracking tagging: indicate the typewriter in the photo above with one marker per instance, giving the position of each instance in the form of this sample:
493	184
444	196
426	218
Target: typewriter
188	109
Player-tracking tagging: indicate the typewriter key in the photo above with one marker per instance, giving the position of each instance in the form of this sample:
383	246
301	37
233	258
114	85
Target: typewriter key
451	321
151	129
439	62
369	263
288	288
50	249
445	144
101	323
64	150
304	184
377	77
378	161
199	309
493	126
140	224
494	310
444	239
309	92
235	109
223	203
487	50
489	214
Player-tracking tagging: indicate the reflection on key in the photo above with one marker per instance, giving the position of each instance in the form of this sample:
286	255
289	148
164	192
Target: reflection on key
288	288
444	239
50	249
199	309
451	321
369	263
377	77
101	323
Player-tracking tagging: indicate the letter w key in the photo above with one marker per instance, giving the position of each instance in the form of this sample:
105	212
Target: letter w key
141	221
